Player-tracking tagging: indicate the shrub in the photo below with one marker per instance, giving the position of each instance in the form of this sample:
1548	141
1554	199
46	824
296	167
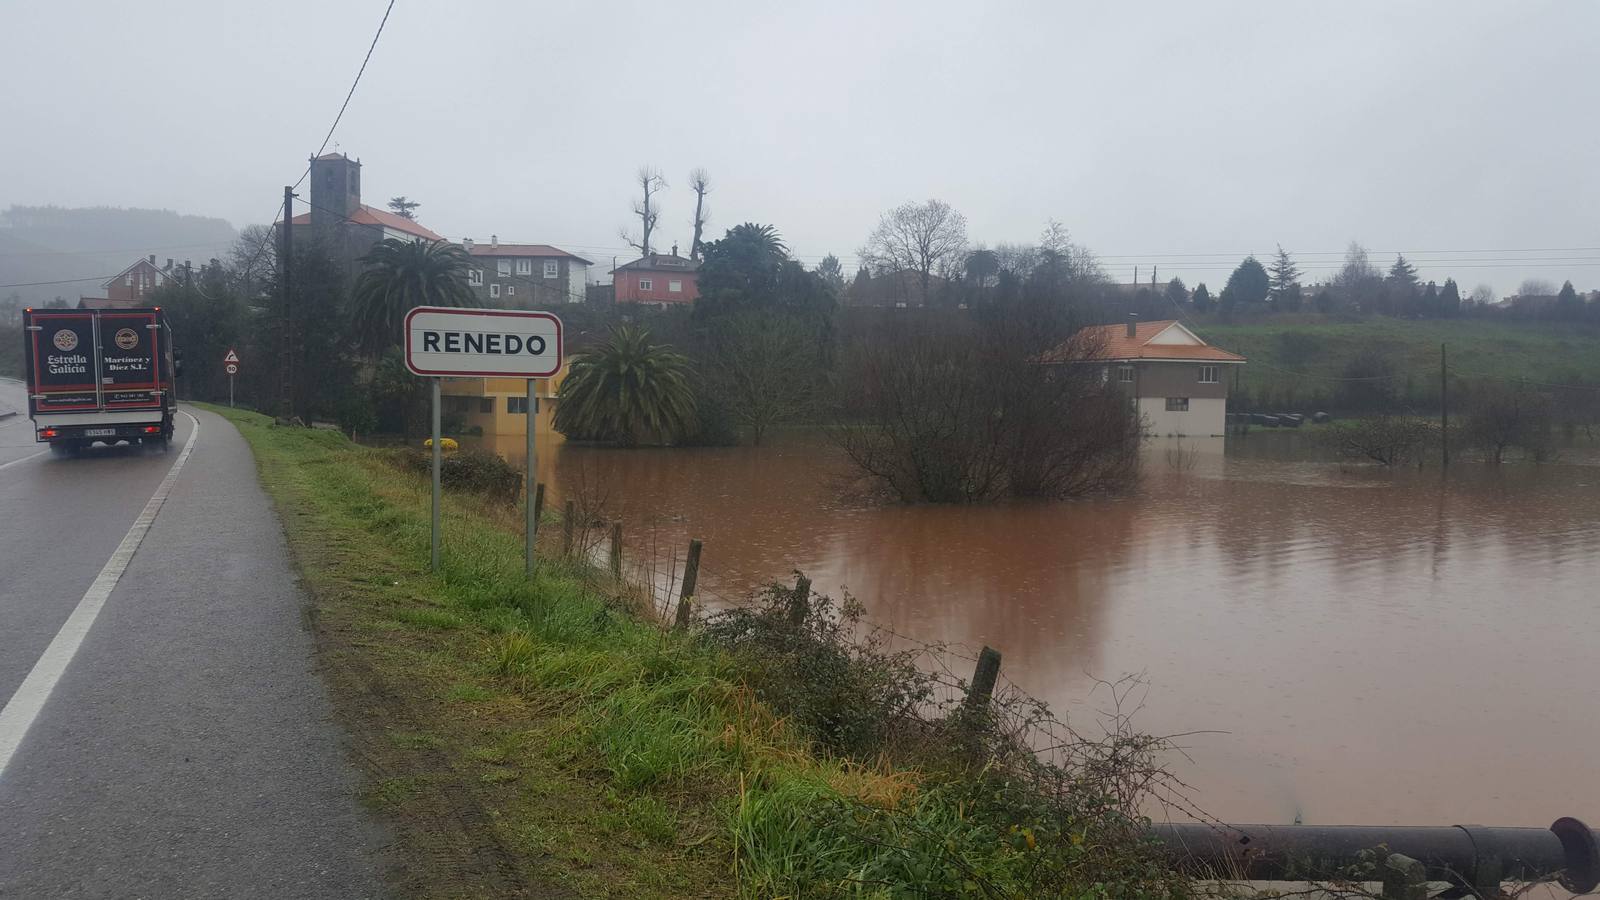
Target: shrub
1388	440
799	655
469	470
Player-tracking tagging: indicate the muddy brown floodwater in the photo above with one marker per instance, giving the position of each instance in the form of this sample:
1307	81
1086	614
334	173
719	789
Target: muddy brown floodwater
1354	645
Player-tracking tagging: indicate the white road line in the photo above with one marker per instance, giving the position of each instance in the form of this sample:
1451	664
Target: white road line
24	459
24	706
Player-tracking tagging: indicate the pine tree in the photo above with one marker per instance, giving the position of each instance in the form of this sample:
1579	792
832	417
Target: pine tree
1201	298
1568	306
1450	298
1403	272
1285	274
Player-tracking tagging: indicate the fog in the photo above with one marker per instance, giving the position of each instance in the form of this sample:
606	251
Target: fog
1175	135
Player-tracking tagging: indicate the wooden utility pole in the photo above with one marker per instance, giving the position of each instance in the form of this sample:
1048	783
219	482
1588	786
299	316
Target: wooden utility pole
286	350
1444	408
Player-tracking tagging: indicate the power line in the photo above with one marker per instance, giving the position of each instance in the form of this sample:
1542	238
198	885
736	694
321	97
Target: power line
352	92
62	281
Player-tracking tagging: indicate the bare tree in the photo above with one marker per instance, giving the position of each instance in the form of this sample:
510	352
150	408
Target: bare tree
952	410
1536	287
922	238
651	182
1482	295
1358	281
761	365
252	260
700	183
1501	417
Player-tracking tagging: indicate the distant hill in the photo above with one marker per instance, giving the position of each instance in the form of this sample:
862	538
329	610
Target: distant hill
54	243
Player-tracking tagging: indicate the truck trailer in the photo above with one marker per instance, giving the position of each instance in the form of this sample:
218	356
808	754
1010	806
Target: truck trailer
99	376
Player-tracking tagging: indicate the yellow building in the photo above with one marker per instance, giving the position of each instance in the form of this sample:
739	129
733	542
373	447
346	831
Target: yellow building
499	405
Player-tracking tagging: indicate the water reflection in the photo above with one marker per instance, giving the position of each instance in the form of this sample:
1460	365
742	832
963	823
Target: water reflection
1377	646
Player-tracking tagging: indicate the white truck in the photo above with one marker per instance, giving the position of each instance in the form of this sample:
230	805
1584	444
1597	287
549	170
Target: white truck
99	375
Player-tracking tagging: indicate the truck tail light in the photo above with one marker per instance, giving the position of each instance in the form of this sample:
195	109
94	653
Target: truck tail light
48	433
152	429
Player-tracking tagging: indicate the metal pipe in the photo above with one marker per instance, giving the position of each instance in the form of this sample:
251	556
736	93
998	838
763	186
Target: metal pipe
1468	855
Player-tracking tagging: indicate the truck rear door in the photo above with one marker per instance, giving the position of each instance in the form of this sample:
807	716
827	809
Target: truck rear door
63	371
130	355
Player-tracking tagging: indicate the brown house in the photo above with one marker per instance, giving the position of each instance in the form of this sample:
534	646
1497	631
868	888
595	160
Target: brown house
663	279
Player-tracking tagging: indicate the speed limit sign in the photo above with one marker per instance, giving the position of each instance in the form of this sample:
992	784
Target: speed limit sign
231	368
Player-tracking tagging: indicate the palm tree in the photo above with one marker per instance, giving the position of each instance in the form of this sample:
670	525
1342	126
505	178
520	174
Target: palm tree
399	276
763	237
629	390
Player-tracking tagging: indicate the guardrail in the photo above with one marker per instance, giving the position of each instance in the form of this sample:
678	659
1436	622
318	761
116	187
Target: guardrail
1473	858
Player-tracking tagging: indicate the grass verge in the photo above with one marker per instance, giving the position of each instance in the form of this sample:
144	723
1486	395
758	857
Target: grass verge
536	737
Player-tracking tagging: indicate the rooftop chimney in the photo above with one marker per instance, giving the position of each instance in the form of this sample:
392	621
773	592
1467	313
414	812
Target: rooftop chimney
1133	324
467	244
494	241
169	264
152	259
674	249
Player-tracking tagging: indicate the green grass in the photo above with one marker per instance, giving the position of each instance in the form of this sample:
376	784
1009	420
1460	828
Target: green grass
1550	352
544	700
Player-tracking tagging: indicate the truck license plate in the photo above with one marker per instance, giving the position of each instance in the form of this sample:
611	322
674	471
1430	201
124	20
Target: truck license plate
99	432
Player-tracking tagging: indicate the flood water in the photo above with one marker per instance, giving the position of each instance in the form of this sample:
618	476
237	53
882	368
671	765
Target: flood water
1353	645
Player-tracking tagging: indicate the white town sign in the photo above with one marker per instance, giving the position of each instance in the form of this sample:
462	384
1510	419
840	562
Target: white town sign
508	343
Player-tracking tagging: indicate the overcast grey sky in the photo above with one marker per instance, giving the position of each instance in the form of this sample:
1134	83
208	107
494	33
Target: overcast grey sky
1154	131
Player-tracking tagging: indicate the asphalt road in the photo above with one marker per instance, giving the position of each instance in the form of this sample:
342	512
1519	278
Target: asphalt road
188	747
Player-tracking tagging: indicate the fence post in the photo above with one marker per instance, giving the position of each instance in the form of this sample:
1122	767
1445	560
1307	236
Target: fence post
1404	878
691	575
616	549
538	506
800	603
984	678
568	523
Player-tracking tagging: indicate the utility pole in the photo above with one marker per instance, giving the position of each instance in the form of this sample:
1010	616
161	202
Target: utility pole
285	351
1444	408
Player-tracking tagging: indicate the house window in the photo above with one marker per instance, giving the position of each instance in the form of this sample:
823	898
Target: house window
486	405
1177	404
524	267
511	290
1125	374
552	269
675	286
127	281
494	290
646	284
517	405
1208	374
503	268
475	277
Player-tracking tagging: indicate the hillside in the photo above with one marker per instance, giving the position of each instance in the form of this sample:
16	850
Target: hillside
1298	362
52	243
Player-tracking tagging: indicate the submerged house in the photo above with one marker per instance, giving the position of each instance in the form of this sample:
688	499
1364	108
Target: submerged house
1178	382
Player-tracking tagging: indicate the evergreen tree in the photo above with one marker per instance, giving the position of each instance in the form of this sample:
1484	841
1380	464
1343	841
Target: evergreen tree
1429	305
1285	276
1450	298
1568	306
1177	294
1403	272
1248	285
1201	298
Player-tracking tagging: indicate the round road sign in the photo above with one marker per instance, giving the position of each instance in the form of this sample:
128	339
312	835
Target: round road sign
233	368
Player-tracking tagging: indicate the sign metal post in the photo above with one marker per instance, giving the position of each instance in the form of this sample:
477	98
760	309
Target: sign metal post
438	465
230	364
446	342
531	528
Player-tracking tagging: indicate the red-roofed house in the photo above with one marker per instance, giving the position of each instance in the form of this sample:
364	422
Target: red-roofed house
525	276
1178	382
660	279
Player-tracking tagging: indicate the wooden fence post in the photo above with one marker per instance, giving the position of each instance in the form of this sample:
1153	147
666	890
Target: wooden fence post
568	523
984	678
691	576
616	549
800	604
538	506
